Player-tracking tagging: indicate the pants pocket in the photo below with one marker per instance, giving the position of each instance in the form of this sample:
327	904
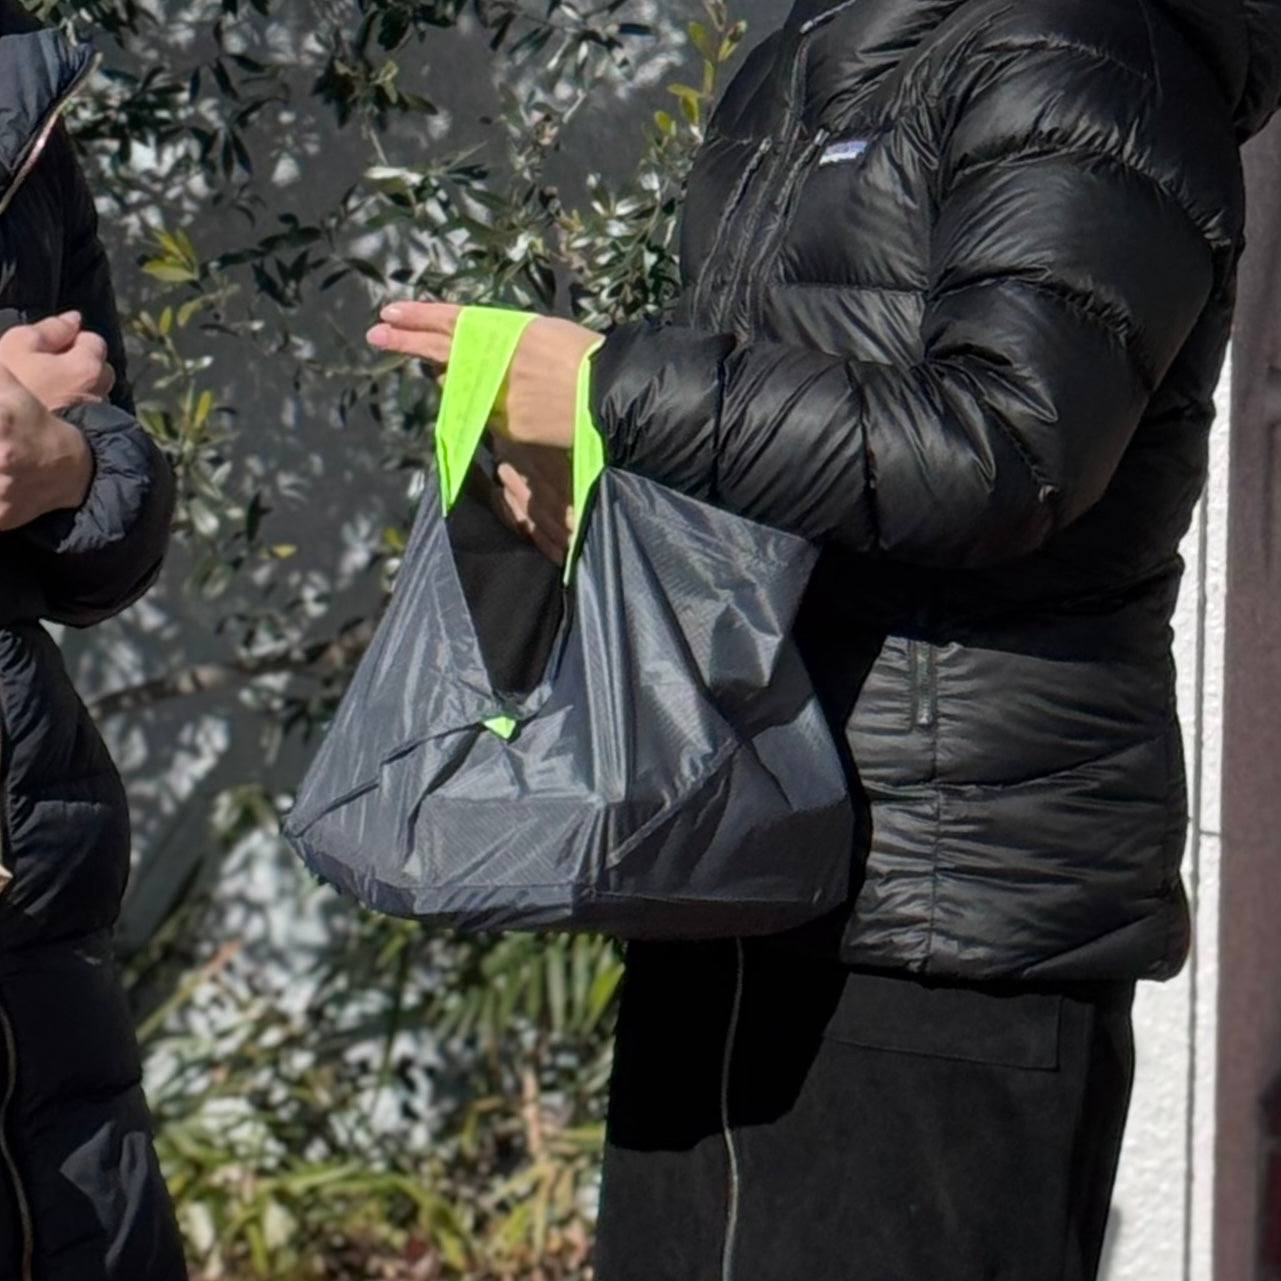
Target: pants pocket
1005	1029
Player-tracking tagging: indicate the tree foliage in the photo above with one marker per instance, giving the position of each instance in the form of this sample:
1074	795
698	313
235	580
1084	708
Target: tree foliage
399	1104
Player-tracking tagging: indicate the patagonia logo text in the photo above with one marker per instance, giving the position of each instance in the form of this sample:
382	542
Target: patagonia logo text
844	150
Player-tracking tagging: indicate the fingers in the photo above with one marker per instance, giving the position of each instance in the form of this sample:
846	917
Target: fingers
106	383
421	329
90	376
540	520
551	547
545	494
535	491
537	511
546	464
91	346
426	346
56	334
422	317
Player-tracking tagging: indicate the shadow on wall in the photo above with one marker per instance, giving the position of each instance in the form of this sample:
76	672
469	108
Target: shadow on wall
320	469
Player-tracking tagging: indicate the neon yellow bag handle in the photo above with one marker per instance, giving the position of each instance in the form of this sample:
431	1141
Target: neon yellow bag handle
485	342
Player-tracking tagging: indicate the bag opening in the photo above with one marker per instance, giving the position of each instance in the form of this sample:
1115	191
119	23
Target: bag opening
516	596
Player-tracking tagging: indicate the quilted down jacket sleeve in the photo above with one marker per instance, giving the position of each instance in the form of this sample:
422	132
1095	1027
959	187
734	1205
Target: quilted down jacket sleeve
96	561
1074	246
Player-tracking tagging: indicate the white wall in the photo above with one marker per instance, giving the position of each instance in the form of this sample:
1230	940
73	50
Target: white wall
1163	1212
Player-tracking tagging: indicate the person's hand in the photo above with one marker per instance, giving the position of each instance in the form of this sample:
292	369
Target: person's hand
58	361
45	463
535	495
539	400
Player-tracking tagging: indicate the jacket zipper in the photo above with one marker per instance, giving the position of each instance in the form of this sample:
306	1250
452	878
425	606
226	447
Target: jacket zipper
35	148
753	291
743	251
6	1151
922	675
789	163
6	872
754	296
763	148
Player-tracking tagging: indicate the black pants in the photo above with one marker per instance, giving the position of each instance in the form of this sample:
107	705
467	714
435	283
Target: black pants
862	1128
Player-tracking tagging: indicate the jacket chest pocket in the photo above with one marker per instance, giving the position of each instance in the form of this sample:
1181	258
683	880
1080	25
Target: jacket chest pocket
861	216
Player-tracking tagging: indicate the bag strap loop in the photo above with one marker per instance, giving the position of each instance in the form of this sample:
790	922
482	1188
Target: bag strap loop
484	345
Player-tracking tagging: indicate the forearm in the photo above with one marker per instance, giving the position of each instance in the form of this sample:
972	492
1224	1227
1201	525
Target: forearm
978	452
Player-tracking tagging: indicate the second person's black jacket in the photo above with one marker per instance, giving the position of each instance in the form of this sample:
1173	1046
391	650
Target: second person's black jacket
959	280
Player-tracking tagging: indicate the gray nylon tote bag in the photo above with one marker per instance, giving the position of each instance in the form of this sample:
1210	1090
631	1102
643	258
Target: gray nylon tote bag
671	775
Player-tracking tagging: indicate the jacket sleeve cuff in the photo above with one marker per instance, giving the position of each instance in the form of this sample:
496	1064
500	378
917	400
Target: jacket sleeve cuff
656	399
131	488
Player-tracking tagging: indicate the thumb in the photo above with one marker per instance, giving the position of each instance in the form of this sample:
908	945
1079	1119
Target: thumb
13	397
56	334
13	391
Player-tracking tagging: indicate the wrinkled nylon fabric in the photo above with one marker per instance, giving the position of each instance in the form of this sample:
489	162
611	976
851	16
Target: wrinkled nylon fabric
959	277
671	776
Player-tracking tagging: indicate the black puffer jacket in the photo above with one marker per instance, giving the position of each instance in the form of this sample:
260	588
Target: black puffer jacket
81	1197
959	283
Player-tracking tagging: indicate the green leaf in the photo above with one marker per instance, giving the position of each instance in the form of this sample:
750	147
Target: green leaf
170	272
188	310
204	407
690	99
378	1124
556	985
701	41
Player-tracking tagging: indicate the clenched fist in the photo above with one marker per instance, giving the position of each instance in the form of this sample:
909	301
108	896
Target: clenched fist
45	463
58	361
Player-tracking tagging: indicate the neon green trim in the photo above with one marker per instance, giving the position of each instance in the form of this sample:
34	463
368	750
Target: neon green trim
485	341
589	457
504	726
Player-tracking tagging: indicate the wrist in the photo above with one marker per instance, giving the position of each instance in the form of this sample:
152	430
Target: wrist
75	466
